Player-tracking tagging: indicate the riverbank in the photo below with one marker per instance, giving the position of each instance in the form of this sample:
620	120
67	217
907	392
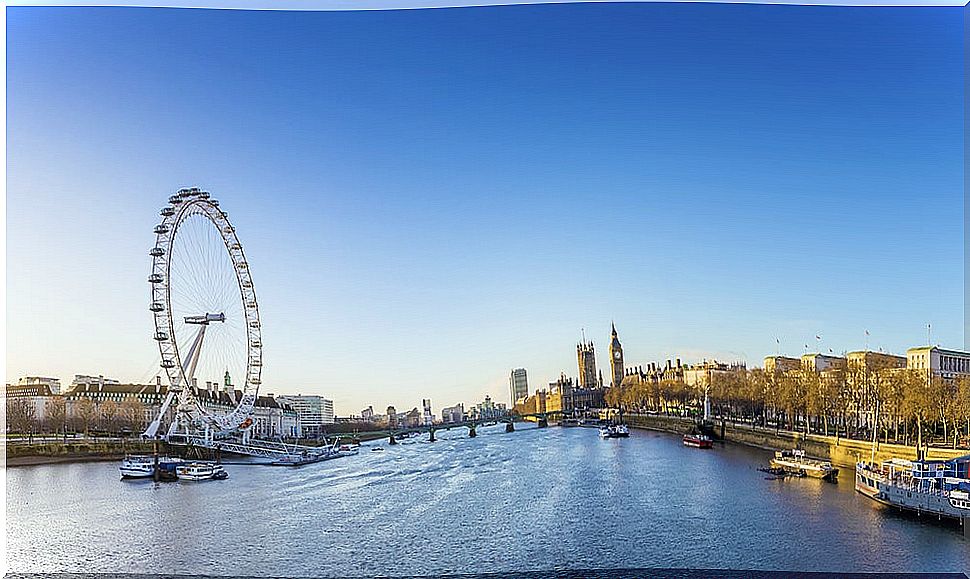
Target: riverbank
85	451
841	452
94	451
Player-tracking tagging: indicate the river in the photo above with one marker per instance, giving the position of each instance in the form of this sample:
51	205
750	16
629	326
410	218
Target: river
555	498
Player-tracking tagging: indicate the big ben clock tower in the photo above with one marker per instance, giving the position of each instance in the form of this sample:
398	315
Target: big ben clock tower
616	358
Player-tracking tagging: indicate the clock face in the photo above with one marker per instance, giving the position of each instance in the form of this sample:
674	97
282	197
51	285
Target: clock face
616	354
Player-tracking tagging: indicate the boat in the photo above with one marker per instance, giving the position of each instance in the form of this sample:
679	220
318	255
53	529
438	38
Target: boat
795	461
932	487
348	449
143	466
377	449
615	431
194	471
698	440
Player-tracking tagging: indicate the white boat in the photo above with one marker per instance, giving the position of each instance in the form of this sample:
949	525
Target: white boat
933	487
795	461
615	431
135	466
201	471
143	466
348	449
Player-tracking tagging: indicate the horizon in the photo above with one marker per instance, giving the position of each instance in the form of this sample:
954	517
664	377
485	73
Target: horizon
429	199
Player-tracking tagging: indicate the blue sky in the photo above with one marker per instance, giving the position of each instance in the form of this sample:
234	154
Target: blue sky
429	198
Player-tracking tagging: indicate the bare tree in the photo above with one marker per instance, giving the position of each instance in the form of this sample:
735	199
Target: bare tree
86	412
132	413
55	414
21	414
109	415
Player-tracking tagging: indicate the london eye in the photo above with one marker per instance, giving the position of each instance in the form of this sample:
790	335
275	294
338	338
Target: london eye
206	320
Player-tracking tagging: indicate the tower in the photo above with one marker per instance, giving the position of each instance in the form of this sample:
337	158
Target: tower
586	357
518	384
616	357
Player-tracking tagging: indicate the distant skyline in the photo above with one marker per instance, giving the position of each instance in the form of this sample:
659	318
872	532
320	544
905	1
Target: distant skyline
430	198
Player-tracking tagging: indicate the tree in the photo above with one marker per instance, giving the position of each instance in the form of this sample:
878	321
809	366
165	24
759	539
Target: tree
21	414
962	405
86	413
55	414
109	415
918	404
132	413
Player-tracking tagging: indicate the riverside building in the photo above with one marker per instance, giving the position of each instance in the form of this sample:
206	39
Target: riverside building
316	412
936	361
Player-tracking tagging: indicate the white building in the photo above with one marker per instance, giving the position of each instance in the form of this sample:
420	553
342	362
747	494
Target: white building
454	413
821	362
936	361
427	417
82	380
316	413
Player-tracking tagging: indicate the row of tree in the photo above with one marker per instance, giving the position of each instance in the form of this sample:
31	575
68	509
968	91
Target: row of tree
84	416
894	404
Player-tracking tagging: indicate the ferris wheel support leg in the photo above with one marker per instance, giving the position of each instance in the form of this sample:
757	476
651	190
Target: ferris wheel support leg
152	429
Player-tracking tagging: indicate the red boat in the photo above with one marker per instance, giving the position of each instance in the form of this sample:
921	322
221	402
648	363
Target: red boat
698	441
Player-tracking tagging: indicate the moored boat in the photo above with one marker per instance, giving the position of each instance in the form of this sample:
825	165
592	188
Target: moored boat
796	461
932	487
348	449
697	440
143	466
615	431
195	471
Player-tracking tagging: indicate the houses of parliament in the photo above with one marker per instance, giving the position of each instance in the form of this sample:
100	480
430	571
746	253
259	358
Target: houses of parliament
586	391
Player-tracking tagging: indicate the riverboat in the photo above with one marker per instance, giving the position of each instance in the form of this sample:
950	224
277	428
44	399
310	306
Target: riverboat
698	440
195	471
795	460
143	466
932	487
615	431
348	449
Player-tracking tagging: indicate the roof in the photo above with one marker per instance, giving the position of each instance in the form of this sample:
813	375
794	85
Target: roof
938	349
14	390
133	389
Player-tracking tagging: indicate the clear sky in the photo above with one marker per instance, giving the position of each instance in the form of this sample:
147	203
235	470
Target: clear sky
429	198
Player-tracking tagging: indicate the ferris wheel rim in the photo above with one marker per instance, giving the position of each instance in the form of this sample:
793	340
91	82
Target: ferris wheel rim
186	203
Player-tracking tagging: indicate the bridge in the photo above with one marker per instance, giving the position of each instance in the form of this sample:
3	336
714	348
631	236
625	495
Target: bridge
541	419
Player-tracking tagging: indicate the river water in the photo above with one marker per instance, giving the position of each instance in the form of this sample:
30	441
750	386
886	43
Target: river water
555	498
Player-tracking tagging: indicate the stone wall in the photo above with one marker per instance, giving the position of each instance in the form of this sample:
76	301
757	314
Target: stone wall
840	451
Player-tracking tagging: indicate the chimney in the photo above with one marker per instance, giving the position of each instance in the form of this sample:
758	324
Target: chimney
678	362
158	380
195	383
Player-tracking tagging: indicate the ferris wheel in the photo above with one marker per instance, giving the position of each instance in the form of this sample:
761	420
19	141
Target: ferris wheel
202	293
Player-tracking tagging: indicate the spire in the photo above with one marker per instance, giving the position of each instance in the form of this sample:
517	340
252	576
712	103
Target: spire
613	326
